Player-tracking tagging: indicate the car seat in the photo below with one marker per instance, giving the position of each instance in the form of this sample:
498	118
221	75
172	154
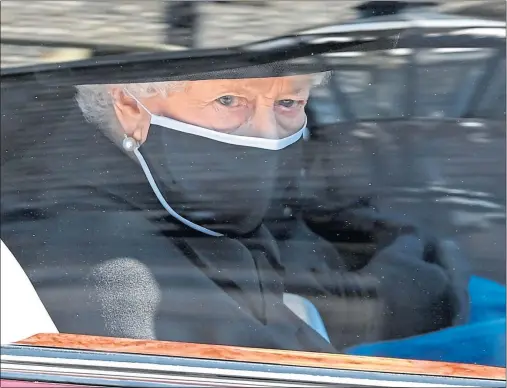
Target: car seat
22	312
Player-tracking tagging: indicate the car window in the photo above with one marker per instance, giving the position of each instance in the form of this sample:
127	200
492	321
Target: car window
447	77
198	172
375	83
493	102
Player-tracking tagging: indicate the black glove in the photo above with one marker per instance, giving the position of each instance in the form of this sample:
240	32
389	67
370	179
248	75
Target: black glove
420	286
421	282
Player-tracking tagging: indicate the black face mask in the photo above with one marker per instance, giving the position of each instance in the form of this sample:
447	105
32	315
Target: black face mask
213	186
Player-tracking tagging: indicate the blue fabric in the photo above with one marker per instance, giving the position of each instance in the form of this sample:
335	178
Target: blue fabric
480	341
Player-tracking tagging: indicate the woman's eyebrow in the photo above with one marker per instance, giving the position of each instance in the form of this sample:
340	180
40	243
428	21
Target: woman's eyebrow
298	89
299	86
236	89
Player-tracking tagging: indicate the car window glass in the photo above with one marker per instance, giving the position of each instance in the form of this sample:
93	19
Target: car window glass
374	82
447	78
199	172
493	103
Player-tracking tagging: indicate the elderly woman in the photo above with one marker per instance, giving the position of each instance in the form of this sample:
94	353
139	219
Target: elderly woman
151	227
211	150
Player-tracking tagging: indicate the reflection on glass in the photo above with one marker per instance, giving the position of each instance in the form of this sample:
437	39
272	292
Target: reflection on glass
354	204
447	79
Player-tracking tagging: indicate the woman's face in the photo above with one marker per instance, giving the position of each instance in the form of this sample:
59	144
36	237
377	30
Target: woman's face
259	107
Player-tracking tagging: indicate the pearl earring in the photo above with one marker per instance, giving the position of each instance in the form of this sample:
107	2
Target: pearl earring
130	144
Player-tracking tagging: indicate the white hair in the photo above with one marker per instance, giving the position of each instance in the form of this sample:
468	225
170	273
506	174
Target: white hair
96	101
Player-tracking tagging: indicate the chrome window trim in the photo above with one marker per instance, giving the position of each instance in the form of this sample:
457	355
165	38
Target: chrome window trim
30	363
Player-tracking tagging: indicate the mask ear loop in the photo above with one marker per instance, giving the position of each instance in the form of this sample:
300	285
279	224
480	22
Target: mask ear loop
139	102
132	145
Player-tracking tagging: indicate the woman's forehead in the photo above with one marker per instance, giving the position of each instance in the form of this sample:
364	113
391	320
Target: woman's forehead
289	84
292	84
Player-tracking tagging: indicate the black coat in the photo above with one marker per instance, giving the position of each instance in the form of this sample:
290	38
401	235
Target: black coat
106	259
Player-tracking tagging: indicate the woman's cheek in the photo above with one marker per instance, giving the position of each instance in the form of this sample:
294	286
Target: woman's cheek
225	119
292	120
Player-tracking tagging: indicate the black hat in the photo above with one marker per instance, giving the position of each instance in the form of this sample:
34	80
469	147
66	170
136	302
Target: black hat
272	58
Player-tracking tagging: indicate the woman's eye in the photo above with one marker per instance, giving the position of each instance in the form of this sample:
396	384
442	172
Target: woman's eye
228	100
287	103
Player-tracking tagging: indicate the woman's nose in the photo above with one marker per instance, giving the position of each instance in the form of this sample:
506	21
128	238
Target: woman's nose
264	121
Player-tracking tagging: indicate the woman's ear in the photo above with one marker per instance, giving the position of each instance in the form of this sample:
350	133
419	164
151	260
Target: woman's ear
133	118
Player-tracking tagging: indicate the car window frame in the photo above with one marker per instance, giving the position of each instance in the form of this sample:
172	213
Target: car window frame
66	350
81	359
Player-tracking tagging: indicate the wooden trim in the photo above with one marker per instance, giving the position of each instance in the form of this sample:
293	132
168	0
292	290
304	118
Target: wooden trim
267	356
